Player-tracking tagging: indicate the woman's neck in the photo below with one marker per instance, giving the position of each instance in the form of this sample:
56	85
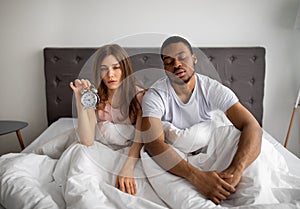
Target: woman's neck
110	95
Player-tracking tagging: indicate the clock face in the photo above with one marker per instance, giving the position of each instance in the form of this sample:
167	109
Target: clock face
89	100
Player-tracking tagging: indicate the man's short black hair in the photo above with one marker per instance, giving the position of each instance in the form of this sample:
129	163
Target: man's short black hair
172	40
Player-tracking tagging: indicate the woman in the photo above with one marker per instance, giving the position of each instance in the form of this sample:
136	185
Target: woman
120	102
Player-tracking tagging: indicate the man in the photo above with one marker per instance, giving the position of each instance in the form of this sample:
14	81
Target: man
190	99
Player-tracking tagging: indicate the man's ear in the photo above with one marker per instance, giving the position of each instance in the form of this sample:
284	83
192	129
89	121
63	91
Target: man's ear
194	58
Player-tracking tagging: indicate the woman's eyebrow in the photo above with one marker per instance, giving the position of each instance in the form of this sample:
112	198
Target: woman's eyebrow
115	64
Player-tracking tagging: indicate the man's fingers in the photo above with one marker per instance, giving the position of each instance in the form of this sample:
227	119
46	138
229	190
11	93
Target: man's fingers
228	187
225	192
215	200
220	196
226	176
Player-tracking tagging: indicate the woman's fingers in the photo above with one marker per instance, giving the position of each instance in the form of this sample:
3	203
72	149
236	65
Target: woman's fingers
126	185
130	186
77	83
86	84
117	183
72	86
81	84
134	187
121	184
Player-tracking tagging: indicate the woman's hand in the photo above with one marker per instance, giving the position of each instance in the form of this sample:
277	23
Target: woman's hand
80	85
125	181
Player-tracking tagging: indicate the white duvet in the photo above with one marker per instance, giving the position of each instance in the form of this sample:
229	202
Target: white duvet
61	173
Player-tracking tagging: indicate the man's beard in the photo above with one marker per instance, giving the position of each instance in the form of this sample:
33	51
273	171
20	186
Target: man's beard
179	81
189	78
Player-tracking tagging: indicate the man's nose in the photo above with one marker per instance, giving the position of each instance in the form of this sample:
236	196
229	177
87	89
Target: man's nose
177	64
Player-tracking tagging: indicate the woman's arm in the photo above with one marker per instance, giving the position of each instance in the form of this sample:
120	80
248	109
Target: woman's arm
86	117
125	180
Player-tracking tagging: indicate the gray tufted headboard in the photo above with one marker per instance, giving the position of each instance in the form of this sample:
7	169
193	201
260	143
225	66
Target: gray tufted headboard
240	68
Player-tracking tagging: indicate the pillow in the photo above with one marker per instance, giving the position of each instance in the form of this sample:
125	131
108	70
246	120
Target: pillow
189	139
58	144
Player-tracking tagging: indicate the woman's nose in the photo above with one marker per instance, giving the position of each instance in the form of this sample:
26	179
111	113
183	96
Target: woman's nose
110	73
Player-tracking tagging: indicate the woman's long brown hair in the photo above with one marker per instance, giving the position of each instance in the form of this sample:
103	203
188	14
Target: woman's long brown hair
125	96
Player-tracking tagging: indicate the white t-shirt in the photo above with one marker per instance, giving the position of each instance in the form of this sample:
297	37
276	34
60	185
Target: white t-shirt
161	101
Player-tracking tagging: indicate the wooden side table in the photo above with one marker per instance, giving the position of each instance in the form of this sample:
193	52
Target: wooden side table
9	126
297	104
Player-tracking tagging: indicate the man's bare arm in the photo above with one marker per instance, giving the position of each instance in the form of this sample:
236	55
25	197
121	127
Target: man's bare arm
250	141
211	184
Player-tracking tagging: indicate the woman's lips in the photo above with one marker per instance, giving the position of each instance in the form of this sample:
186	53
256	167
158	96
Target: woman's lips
113	81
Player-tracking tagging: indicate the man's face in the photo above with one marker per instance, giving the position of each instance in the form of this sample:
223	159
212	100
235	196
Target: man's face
179	61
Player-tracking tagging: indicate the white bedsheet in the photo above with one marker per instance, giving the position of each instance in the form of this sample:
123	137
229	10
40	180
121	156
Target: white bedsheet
265	183
38	181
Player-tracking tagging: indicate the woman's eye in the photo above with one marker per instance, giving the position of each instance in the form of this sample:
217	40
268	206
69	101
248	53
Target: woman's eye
116	67
102	69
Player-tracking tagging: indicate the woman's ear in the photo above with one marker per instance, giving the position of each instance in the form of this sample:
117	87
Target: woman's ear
194	58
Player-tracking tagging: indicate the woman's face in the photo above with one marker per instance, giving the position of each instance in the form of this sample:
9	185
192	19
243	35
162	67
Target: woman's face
111	72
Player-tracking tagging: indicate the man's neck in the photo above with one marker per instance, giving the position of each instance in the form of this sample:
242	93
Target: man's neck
185	90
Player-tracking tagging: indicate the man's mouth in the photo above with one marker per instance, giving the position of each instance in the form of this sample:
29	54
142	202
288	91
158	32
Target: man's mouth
179	73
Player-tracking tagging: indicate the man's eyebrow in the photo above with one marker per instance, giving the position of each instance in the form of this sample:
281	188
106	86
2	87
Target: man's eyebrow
179	53
166	57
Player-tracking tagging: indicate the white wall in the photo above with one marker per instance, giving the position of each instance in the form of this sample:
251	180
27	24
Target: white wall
29	26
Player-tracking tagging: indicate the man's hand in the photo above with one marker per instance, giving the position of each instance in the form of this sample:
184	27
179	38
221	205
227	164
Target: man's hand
212	184
236	175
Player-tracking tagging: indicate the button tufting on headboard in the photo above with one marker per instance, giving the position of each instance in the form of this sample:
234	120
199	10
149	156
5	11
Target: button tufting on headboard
242	69
252	81
77	59
210	58
56	81
55	59
231	58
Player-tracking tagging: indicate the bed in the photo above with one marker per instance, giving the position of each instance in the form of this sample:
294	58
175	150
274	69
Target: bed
242	69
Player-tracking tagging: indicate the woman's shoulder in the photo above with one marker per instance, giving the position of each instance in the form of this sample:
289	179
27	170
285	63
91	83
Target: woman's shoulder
140	92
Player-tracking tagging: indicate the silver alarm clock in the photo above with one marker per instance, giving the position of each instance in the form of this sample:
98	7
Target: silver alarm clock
90	98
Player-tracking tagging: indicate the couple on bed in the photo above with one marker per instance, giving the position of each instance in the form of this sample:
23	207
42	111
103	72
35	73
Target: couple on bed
183	101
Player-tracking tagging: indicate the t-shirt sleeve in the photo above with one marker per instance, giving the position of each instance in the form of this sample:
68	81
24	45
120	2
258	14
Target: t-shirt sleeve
220	97
152	104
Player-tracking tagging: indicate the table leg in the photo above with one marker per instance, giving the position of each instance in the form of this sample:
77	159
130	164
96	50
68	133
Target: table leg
20	139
